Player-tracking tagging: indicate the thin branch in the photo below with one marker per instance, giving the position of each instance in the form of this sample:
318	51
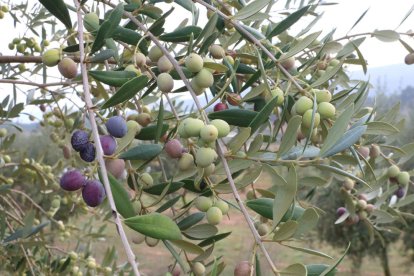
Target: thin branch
38	59
220	150
99	152
41	85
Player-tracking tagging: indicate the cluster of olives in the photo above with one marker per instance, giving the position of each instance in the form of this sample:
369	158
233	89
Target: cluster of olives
89	262
93	192
205	155
3	9
66	66
362	207
214	209
402	178
325	65
324	111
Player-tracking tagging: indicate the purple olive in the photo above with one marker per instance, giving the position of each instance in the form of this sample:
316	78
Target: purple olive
88	152
72	180
108	144
174	148
116	126
79	139
93	193
400	192
340	211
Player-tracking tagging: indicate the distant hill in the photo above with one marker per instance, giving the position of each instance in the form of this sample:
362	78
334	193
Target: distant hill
388	79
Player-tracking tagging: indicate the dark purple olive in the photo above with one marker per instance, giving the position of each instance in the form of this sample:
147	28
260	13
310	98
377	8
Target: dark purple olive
93	193
72	180
400	192
88	152
108	144
79	139
116	126
340	211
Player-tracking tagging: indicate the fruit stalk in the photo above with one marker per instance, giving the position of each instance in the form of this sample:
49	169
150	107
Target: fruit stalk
205	118
99	151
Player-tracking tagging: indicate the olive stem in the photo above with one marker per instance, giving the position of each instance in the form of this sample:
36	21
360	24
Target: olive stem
99	151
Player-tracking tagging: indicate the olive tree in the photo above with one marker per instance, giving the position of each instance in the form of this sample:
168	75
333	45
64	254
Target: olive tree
264	100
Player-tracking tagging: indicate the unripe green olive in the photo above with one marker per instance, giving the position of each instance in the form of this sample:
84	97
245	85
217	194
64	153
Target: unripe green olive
250	195
333	62
327	110
209	133
11	46
164	64
263	229
205	156
203	203
222	205
198	269
393	171
51	57
207	171
4	8
192	127
144	119
1	14
155	53
132	68
204	78
348	184
91	21
194	63
217	52
214	215
403	178
68	68
3	132
165	82
138	238
21	48
137	206
229	59
7	158
181	131
198	90
186	162
303	104
322	95
146	179
140	59
222	126
277	92
362	204
307	119
151	242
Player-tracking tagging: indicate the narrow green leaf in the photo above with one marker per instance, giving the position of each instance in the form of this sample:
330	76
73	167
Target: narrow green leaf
113	78
332	268
317	269
125	141
263	115
301	45
350	47
201	231
103	55
127	91
208	29
289	138
381	128
121	197
149	132
307	222
348	139
294	269
155	225
285	231
238	141
160	120
58	9
175	255
214	239
181	35
191	220
386	35
252	8
359	19
236	117
142	152
168	204
159	188
309	251
219	68
288	22
338	129
188	247
342	172
108	28
284	196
